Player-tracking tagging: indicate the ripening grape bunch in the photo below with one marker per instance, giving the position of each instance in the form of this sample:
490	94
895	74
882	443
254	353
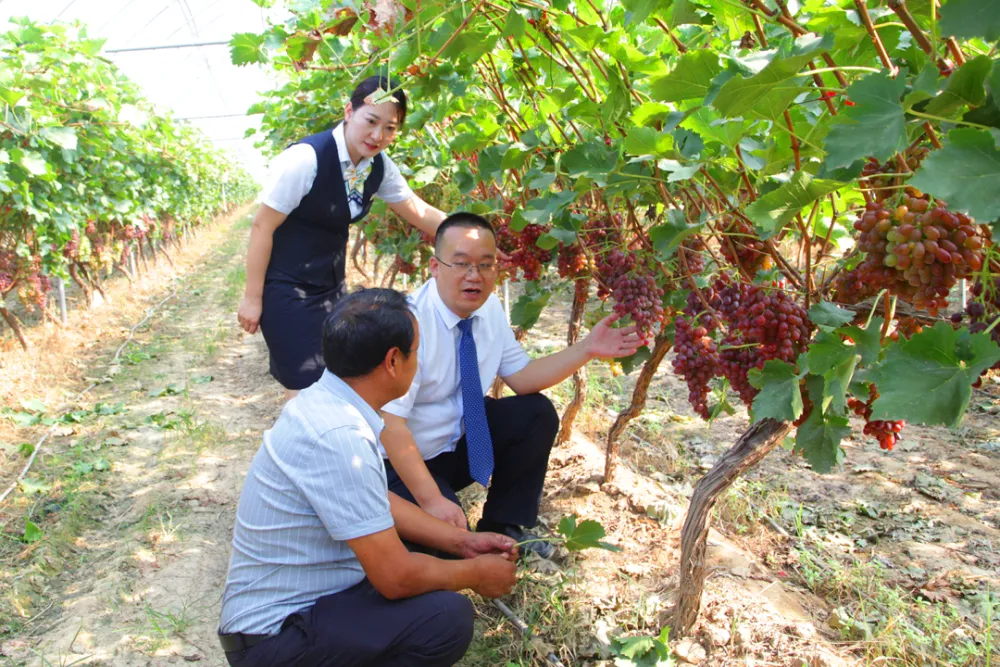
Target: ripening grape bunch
523	250
528	256
637	296
757	323
767	324
741	246
572	262
886	432
403	266
610	265
875	174
693	249
696	359
35	290
917	251
980	313
72	246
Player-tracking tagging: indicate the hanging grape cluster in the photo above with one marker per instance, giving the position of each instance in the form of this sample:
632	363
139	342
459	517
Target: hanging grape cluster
755	323
886	432
917	251
522	249
981	313
742	247
403	266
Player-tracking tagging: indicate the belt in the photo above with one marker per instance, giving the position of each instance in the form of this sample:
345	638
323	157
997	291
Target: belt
237	641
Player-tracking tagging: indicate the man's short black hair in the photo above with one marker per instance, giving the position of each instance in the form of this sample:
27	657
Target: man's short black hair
461	219
363	327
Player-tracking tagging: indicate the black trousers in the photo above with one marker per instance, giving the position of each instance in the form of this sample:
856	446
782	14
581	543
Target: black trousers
360	628
523	429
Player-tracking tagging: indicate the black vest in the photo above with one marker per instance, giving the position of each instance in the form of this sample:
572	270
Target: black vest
310	246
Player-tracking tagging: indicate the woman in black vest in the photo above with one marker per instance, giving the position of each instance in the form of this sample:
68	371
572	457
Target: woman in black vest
298	242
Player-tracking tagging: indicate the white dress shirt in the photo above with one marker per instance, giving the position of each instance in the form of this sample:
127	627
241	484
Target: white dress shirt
292	173
433	405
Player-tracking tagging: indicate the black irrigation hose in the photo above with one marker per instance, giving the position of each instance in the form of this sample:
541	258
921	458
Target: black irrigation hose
523	628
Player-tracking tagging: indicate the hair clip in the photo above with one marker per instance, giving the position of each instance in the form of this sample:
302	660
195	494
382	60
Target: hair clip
378	96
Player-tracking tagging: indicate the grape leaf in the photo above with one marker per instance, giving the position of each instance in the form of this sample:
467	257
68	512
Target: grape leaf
64	137
760	93
779	397
585	535
648	141
636	360
818	438
32	533
34	485
966	87
528	308
826	314
33	405
683	12
515	25
835	360
635	647
969	157
971	18
668	236
776	209
592	160
875	126
690	78
540	210
867	341
639	10
247	48
34	163
928	378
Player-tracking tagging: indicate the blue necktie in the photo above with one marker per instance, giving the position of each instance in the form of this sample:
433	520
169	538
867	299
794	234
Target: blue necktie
477	431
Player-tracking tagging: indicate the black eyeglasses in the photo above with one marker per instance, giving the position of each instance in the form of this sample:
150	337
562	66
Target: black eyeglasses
485	269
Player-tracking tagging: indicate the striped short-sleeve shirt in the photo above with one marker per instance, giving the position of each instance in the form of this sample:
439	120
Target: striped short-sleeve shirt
317	481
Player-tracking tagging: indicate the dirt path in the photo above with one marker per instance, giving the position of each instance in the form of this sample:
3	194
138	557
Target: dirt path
143	578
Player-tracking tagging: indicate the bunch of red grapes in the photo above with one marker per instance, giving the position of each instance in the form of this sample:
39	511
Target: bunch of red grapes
7	271
742	247
522	248
630	282
874	175
35	289
981	312
696	359
886	432
72	246
760	323
403	266
572	261
917	251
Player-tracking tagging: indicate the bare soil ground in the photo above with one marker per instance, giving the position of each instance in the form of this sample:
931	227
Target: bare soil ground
134	501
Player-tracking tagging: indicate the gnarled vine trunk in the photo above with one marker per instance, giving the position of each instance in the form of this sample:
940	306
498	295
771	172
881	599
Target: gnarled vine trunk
580	377
360	241
12	323
84	286
660	349
755	443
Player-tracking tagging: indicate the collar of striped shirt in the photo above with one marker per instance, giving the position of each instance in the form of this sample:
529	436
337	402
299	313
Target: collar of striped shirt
341	389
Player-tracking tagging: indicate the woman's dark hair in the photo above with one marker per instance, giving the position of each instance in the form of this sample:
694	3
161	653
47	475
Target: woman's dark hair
373	83
464	220
363	327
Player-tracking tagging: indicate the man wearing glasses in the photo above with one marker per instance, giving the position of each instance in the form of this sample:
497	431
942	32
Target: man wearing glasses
443	435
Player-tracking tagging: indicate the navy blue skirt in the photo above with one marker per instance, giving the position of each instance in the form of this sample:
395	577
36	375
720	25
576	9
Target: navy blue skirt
291	321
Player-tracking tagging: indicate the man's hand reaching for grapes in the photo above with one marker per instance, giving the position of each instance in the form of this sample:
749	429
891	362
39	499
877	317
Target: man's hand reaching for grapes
606	342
